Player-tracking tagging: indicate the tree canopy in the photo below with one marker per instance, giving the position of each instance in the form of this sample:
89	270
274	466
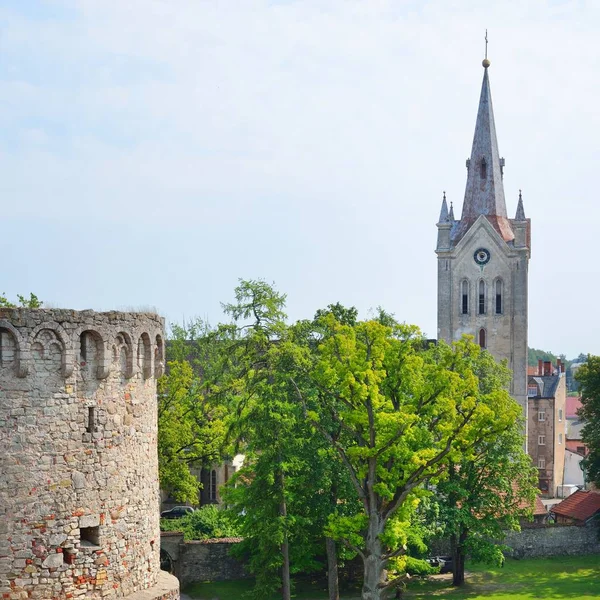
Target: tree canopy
588	376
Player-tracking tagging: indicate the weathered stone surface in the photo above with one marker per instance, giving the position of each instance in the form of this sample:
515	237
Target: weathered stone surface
202	561
66	468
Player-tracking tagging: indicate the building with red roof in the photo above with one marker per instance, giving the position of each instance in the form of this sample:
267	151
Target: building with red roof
578	509
573	404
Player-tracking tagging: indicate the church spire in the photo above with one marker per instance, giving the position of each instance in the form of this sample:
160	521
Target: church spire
484	194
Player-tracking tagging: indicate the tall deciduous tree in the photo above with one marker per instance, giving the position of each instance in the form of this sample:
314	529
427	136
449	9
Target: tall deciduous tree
588	376
491	489
407	410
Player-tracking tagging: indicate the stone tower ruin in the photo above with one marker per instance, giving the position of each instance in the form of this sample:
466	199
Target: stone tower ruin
79	495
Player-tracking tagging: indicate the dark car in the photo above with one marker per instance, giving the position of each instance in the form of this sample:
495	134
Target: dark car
445	563
176	512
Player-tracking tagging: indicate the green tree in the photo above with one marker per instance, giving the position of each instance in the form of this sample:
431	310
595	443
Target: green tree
291	481
588	377
488	491
408	410
192	420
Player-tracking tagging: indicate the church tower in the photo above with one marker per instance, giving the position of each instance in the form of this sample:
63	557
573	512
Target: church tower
483	258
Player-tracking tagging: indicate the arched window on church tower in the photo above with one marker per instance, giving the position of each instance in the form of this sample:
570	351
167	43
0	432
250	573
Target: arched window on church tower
483	169
464	306
499	301
482	340
481	309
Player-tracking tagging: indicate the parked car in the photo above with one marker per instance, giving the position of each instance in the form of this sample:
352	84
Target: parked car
176	512
445	563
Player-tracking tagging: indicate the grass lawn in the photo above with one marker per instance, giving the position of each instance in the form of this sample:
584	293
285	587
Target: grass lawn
572	577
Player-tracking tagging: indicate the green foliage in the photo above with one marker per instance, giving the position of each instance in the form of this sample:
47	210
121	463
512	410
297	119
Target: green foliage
192	421
32	302
406	410
588	377
487	491
533	355
205	523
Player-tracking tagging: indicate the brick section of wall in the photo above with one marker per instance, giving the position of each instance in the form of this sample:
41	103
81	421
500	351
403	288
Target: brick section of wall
79	499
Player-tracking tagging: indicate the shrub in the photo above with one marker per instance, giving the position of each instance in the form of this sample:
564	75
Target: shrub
203	524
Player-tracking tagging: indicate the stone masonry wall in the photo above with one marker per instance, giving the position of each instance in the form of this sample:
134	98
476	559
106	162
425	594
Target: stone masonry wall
549	540
553	541
79	500
208	560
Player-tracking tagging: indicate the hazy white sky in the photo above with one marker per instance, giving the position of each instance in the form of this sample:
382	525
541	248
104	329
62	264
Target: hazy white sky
152	152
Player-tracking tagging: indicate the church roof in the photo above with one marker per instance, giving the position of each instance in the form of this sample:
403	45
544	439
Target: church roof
484	194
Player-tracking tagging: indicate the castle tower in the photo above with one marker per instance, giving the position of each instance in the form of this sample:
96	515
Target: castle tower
483	258
79	497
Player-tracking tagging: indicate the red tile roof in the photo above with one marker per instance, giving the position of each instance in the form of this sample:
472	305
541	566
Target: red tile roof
579	506
573	405
539	509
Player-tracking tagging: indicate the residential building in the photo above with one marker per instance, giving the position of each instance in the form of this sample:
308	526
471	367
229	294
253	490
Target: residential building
574	441
547	392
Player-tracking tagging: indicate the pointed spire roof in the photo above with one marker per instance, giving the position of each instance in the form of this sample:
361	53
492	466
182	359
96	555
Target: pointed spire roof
444	211
520	216
484	194
451	214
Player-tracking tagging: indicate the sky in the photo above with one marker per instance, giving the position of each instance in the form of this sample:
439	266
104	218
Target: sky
154	152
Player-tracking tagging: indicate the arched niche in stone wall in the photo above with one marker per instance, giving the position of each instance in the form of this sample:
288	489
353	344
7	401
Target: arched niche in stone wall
159	356
144	355
93	357
123	354
13	353
51	349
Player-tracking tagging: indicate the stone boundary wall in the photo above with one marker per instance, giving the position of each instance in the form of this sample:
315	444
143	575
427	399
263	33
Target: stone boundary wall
553	540
207	560
542	542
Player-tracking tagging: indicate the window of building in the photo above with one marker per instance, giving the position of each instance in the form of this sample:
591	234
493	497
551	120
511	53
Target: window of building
532	390
560	414
498	296
542	414
483	169
541	440
465	297
482	298
482	340
560	438
213	486
541	463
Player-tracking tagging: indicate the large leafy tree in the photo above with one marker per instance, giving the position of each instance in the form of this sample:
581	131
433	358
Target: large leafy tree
588	377
408	409
494	486
291	481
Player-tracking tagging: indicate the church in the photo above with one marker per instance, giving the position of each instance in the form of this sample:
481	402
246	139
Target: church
483	257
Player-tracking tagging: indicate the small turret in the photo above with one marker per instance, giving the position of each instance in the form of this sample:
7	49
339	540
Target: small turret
520	225
444	226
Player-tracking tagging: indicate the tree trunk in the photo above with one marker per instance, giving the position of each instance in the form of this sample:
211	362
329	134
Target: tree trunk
332	570
374	563
285	546
458	560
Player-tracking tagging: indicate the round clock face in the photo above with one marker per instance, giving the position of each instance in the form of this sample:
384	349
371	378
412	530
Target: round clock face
482	256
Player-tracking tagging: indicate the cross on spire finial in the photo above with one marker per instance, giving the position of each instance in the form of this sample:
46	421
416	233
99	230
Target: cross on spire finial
486	63
486	43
